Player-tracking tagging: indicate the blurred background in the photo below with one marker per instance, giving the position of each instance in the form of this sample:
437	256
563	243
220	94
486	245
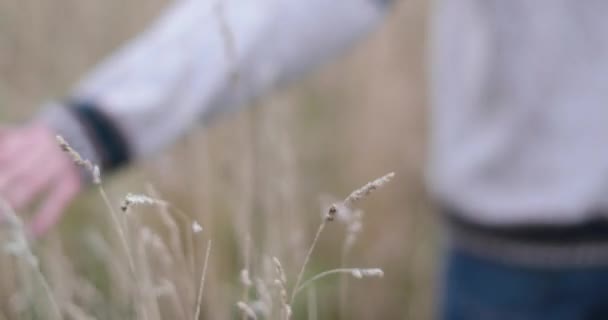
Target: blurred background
257	180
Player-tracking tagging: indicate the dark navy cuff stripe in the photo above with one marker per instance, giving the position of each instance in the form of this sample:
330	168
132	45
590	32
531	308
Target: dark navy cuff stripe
111	145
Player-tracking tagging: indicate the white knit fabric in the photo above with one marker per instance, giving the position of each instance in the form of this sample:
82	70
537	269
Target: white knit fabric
520	109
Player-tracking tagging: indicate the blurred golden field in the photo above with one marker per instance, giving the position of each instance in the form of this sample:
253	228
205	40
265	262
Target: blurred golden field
256	180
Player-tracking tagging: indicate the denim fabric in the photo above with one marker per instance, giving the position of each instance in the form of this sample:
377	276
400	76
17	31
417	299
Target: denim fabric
478	288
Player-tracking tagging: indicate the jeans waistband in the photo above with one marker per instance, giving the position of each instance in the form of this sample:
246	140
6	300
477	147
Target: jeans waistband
595	230
583	244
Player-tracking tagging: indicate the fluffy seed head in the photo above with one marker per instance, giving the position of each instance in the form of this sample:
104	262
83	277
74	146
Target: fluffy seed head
196	227
367	273
79	160
140	199
367	189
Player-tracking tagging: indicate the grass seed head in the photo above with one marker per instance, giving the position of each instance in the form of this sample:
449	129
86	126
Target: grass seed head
367	273
143	200
79	160
196	227
367	189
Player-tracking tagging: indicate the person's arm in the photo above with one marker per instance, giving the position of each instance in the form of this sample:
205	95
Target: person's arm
200	58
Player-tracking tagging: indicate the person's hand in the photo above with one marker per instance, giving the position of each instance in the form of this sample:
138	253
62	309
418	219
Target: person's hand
32	166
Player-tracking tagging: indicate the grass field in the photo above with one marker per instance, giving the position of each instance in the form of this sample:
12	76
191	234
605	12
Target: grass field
258	182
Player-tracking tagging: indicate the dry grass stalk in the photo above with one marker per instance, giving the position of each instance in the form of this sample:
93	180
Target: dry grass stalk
247	284
95	172
19	247
132	200
245	278
357	273
281	284
246	310
182	265
345	207
329	217
202	282
354	225
150	302
311	299
331	214
120	228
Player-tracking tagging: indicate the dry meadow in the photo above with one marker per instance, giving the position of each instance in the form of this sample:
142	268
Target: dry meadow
259	182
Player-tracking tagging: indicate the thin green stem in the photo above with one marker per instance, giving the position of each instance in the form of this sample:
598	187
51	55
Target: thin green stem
322	275
306	260
119	228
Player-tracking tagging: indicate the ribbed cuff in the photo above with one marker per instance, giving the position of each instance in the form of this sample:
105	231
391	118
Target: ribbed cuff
65	124
109	142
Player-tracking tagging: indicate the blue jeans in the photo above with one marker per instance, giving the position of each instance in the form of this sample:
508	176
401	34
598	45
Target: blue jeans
477	288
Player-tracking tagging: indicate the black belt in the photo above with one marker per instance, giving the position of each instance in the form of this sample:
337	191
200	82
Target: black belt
594	230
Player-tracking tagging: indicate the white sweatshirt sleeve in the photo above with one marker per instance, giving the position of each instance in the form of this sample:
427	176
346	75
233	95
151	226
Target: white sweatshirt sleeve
205	57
